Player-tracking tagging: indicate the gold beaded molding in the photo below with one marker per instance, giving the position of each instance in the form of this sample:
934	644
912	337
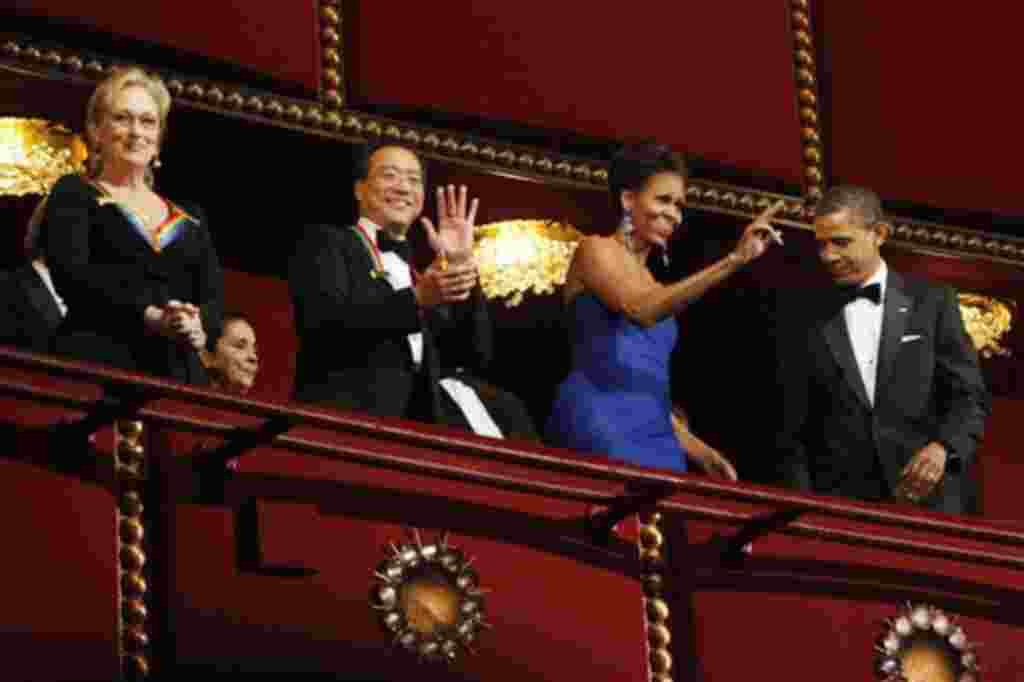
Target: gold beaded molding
328	119
130	470
332	76
805	74
659	636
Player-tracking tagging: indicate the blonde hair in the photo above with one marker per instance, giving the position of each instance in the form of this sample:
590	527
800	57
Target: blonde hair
102	100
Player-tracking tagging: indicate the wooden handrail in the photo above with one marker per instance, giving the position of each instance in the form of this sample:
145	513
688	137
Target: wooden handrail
436	438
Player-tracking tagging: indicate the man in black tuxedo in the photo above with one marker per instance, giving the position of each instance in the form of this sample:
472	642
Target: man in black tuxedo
378	337
884	398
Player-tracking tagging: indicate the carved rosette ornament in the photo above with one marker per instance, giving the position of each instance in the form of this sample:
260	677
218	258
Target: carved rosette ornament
651	543
428	598
924	644
130	472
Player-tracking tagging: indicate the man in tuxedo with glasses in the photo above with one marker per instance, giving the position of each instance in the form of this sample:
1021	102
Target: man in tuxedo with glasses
883	395
377	336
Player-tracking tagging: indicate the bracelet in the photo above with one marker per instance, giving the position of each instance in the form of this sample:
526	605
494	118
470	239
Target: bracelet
734	258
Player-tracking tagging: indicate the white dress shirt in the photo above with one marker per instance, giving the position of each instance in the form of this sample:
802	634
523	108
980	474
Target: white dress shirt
400	277
864	325
44	274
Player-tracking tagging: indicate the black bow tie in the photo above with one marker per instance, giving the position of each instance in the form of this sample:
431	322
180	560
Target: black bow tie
872	292
387	243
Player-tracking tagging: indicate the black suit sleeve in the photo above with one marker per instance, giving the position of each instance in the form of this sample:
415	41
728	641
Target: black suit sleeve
792	409
331	297
83	284
463	334
961	396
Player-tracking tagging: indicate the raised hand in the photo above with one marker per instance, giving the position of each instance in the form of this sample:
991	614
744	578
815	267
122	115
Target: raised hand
456	219
445	284
758	235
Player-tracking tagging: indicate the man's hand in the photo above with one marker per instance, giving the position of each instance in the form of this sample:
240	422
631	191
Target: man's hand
923	473
439	284
456	219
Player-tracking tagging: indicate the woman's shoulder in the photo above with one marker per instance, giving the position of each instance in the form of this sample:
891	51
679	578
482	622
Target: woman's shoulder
598	247
75	184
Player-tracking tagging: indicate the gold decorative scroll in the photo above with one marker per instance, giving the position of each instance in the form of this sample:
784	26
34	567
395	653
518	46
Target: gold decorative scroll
519	256
988	320
35	153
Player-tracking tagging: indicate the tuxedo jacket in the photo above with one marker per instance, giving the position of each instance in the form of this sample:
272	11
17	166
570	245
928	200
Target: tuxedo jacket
108	273
929	387
30	312
353	327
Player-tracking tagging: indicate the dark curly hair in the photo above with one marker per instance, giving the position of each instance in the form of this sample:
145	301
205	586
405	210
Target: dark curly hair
634	164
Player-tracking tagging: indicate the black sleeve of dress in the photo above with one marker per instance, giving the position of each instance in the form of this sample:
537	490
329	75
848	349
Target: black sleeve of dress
330	296
208	281
85	285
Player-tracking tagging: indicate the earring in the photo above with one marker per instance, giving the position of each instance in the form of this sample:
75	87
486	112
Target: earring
664	257
156	162
626	226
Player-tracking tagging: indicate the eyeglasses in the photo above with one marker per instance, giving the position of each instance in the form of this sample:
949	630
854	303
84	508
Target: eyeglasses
125	119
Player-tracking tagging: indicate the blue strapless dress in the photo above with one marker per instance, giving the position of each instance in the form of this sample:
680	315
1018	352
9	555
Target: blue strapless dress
616	400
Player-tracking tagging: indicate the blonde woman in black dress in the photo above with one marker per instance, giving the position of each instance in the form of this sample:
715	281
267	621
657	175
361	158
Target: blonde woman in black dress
139	273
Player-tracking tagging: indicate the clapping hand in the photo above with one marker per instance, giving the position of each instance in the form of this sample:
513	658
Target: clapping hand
758	234
179	322
452	241
441	283
186	323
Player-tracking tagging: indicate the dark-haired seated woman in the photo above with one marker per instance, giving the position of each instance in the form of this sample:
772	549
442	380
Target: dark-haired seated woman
616	398
234	361
139	274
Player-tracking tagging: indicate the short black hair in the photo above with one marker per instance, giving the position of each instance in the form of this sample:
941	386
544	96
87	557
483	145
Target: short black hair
859	200
362	153
634	164
230	316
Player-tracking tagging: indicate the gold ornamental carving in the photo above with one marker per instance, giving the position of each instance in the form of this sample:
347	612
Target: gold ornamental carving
925	644
805	75
428	597
651	543
327	116
35	153
517	257
130	471
988	320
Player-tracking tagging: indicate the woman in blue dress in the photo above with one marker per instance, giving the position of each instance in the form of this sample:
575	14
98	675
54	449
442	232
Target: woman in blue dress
616	399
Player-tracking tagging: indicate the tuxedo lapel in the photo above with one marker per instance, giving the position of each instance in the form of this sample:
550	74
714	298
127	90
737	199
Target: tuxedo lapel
838	339
898	306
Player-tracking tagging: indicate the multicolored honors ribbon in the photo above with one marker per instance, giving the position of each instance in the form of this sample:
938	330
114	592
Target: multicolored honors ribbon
165	234
378	271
